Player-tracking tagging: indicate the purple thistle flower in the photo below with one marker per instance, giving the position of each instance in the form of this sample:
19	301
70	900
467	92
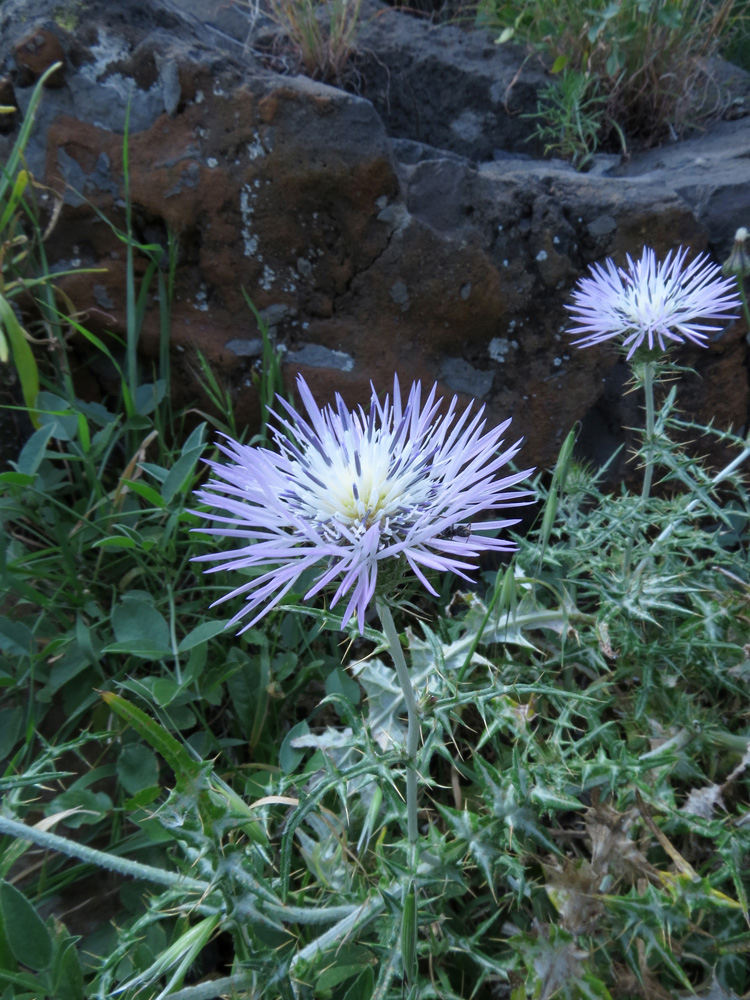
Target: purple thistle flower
356	489
648	302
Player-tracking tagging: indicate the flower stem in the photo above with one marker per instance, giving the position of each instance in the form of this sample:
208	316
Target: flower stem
719	477
412	714
743	297
648	389
92	856
677	521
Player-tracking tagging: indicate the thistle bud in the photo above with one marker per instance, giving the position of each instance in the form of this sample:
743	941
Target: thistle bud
738	261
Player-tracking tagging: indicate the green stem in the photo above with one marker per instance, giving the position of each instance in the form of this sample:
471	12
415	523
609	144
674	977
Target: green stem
648	389
670	528
362	914
229	985
131	341
412	714
52	842
743	297
173	634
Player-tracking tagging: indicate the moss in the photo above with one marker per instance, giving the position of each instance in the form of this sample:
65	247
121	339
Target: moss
68	15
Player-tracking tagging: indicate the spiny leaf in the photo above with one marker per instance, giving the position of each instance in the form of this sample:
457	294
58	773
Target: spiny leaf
176	756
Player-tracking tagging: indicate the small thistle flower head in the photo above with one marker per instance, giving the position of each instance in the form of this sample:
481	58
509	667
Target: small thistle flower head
350	493
649	304
738	261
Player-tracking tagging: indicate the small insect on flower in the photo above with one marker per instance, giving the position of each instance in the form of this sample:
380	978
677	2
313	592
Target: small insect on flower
649	303
347	490
457	531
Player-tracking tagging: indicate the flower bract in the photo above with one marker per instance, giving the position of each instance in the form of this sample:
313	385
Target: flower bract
738	261
346	490
651	303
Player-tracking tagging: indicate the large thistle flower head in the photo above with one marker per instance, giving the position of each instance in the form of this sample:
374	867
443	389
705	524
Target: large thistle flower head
649	303
348	490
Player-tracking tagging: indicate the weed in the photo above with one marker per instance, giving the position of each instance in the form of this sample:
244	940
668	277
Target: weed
571	115
22	262
643	58
322	33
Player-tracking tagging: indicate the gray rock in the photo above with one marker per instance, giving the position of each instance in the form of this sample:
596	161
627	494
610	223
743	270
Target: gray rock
446	86
315	356
460	376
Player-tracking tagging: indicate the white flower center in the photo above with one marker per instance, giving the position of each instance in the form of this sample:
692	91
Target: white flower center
357	481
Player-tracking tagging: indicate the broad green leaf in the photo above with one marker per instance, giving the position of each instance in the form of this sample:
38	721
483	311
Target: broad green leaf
248	689
55	412
94	806
137	622
148	493
180	473
201	633
71	663
346	962
143	798
196	439
148	396
16	478
26	981
84	434
115	542
25	932
15	637
32	453
165	690
137	768
87	641
11	726
142	648
159	473
363	986
339	682
613	64
7	961
289	758
102	438
67	976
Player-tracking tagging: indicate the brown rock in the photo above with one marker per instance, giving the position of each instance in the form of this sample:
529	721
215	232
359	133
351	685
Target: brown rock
366	255
8	119
36	53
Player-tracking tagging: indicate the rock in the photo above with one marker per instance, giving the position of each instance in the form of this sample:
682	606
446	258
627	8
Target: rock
371	242
706	171
36	53
453	89
8	117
